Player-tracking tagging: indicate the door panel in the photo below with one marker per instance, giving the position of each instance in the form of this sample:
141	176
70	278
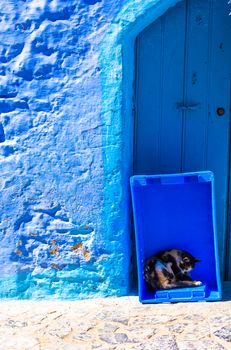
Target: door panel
183	76
197	64
208	71
147	127
159	68
218	152
172	62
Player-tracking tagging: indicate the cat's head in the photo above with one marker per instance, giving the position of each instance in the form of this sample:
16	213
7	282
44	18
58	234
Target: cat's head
187	261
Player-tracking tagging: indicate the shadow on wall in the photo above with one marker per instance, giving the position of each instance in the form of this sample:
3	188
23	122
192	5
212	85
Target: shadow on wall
2	134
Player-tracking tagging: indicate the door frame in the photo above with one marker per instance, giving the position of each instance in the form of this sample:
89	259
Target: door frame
117	62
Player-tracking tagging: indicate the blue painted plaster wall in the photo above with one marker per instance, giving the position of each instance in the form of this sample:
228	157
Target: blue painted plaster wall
65	144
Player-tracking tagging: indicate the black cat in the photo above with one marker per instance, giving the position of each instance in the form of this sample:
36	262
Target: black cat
170	269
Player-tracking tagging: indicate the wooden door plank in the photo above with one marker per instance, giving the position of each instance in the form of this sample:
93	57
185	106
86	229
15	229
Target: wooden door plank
148	77
172	89
160	59
196	86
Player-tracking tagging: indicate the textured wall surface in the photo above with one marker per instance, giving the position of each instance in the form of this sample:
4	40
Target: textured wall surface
65	154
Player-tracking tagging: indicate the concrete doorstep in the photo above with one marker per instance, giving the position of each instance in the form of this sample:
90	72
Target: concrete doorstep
115	323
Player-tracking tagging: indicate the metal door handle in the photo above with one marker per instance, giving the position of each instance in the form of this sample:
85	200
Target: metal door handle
188	107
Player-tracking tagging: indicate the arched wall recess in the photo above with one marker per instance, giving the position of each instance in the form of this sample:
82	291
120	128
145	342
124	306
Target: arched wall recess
117	80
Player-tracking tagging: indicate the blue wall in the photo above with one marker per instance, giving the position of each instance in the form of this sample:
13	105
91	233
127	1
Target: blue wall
65	145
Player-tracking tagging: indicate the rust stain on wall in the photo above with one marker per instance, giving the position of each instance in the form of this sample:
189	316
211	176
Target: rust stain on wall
78	246
18	252
87	255
55	249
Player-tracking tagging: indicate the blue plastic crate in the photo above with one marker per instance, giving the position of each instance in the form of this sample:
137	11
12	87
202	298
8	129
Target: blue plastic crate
177	211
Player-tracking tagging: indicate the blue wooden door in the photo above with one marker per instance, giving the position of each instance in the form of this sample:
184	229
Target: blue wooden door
183	99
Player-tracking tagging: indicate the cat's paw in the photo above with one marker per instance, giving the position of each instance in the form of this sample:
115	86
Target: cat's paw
197	283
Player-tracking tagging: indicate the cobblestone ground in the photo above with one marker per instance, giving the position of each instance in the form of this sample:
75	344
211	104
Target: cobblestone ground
114	323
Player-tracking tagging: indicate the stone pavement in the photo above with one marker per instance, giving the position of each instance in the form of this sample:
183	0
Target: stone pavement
114	323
